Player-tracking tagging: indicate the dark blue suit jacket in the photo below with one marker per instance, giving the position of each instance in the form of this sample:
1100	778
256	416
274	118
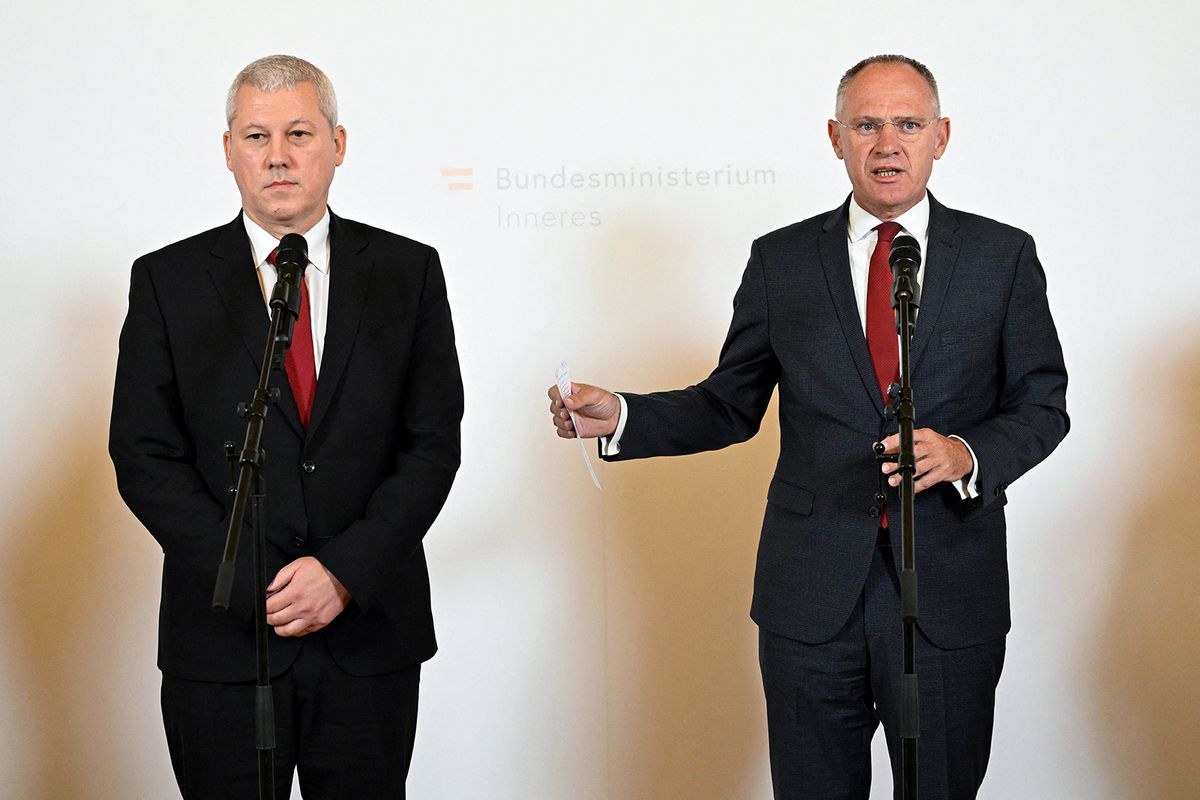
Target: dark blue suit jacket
358	489
986	365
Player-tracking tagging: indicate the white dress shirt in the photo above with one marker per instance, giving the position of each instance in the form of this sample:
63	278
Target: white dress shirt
860	238
316	276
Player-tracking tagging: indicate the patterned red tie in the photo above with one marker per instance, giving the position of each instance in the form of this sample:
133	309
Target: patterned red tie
881	319
300	363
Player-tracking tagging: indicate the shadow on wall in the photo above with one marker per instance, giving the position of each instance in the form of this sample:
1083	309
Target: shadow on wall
1148	653
685	709
81	574
71	572
685	706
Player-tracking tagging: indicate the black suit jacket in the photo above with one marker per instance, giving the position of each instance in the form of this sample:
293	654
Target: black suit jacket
358	489
986	365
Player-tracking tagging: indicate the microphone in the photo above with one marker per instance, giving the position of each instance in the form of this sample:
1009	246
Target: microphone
905	261
290	261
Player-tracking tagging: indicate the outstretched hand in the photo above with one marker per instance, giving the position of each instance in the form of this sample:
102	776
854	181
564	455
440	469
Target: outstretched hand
939	458
596	410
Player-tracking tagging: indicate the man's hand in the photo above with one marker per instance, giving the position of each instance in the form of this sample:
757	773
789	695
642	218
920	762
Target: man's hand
304	597
938	459
596	410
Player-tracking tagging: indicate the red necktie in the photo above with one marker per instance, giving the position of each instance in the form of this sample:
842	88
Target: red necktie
881	319
300	363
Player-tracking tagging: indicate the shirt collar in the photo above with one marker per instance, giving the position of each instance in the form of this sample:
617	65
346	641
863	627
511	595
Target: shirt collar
262	242
915	221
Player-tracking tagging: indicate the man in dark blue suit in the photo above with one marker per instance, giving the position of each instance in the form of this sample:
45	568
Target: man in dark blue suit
362	446
989	383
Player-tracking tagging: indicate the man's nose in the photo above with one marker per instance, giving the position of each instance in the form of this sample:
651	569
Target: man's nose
277	153
888	141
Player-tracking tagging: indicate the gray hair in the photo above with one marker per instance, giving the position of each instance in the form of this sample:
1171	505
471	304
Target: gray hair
921	69
272	73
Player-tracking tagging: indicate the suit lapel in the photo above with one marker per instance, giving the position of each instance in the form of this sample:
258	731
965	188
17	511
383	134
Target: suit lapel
350	267
233	274
941	256
835	258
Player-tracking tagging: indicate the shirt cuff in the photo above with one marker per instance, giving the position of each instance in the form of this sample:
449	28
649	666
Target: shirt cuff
611	445
967	490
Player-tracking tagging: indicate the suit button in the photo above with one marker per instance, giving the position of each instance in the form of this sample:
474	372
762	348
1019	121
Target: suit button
996	491
873	512
309	467
298	541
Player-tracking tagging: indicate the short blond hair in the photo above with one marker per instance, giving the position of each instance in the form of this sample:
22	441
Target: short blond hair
272	73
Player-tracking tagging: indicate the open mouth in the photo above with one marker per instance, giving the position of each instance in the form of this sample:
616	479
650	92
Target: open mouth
885	172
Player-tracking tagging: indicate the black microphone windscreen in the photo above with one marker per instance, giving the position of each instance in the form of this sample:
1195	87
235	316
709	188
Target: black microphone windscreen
905	248
293	253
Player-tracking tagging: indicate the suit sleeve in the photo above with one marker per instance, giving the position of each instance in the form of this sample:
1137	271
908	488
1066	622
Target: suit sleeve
155	457
1030	416
726	407
369	554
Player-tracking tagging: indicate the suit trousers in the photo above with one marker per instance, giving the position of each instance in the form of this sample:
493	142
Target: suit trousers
824	702
348	737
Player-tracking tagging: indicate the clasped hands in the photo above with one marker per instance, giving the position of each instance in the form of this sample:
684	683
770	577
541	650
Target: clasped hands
304	597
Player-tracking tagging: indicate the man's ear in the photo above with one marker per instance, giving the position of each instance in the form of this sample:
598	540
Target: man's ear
339	145
943	137
835	137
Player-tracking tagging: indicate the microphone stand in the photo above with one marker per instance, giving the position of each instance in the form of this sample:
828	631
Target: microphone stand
251	486
905	260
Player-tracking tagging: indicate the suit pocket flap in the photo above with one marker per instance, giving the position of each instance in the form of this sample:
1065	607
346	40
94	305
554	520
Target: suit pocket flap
970	511
790	496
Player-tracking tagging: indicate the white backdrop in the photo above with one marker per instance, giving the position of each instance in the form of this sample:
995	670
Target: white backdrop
597	645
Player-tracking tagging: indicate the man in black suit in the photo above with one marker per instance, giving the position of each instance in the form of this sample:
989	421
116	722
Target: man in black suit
357	465
813	317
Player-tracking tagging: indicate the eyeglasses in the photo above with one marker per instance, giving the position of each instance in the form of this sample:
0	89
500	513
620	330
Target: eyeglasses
907	129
